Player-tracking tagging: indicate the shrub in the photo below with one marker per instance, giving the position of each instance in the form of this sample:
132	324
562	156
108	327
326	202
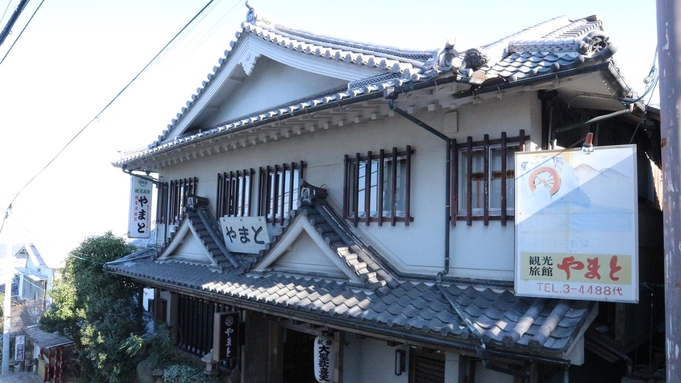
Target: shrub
182	373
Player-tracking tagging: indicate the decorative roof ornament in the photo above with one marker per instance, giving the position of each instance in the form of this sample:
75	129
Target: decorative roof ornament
448	57
594	43
251	16
473	66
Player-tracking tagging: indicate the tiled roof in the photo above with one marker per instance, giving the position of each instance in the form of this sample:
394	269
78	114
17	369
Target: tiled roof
555	45
463	313
206	228
496	317
340	239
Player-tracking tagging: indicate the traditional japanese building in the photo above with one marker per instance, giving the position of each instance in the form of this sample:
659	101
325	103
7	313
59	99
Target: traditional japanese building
347	212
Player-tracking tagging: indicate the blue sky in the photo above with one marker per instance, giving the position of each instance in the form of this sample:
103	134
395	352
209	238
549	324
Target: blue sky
76	55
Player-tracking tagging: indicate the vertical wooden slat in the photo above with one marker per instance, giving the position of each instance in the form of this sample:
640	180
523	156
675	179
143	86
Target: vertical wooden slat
220	196
367	190
171	207
207	336
485	180
242	194
275	193
503	179
282	198
393	207
355	194
454	202
522	140
262	192
292	186
469	181
381	180
346	186
407	191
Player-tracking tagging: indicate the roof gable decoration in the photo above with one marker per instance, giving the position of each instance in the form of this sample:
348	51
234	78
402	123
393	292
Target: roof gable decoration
297	229
198	239
248	61
184	246
559	43
316	220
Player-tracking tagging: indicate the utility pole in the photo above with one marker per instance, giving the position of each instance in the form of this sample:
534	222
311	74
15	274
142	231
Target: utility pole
668	44
7	305
8	27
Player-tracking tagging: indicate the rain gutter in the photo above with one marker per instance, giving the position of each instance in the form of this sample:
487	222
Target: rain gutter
344	325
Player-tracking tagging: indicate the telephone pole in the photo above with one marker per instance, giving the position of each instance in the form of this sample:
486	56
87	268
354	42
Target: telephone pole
668	44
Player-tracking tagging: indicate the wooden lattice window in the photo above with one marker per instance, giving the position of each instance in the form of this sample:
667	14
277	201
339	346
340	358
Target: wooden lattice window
162	202
195	323
278	190
172	198
234	193
377	187
483	178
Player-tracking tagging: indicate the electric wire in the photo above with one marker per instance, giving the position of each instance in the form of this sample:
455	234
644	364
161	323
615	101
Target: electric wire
652	81
5	12
9	207
22	32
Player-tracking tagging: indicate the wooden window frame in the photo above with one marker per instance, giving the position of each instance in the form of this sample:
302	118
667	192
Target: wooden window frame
276	199
352	187
234	193
485	146
172	198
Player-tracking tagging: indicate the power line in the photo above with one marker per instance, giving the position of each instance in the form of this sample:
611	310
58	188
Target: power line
22	32
9	207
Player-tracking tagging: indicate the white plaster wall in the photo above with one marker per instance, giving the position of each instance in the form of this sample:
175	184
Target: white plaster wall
484	375
352	358
477	251
257	92
378	364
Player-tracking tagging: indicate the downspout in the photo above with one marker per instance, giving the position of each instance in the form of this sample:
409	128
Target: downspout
390	94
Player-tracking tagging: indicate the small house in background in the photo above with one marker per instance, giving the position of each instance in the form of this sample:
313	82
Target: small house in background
35	277
336	211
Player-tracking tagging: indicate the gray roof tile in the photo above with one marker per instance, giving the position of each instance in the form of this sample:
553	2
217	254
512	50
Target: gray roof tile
530	52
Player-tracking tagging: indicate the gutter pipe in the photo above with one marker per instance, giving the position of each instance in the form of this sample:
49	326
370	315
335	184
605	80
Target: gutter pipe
391	95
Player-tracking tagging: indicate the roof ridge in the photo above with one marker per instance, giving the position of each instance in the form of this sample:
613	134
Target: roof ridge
412	55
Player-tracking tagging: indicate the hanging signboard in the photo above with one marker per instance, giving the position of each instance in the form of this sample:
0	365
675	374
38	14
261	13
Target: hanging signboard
19	343
576	224
225	336
324	358
139	219
245	234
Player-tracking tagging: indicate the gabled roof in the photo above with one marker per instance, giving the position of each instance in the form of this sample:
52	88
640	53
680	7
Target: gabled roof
319	220
382	302
201	227
538	52
446	312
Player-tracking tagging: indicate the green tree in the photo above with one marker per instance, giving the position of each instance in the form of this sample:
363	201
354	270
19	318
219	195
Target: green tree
96	310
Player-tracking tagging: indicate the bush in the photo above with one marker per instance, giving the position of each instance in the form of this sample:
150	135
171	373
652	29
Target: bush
182	373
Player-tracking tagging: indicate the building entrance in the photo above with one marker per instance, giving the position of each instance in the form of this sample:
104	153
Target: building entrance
298	357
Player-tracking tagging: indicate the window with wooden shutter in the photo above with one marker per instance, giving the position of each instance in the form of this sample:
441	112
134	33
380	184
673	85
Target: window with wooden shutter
426	367
278	190
172	198
234	193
